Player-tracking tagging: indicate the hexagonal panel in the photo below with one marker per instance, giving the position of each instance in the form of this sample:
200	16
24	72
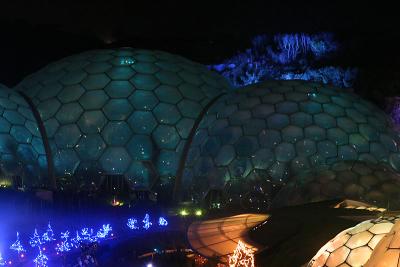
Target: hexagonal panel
117	109
140	147
166	137
69	113
93	99
119	89
90	147
67	136
115	160
143	100
92	122
168	94
166	113
142	122
96	81
116	133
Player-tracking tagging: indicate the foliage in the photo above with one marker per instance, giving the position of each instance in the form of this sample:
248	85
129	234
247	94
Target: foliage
287	56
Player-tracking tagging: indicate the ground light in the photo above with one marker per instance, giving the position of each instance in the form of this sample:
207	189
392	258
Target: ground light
198	213
183	212
149	265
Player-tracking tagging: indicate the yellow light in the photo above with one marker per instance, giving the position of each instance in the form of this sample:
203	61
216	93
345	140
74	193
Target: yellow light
116	203
198	213
242	256
184	212
5	183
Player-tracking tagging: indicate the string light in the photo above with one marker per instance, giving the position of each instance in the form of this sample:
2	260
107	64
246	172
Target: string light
242	256
41	259
146	222
35	240
88	235
132	224
162	221
76	241
17	246
2	261
104	231
65	246
48	236
65	243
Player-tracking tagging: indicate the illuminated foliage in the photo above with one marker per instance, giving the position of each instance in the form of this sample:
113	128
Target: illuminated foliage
287	57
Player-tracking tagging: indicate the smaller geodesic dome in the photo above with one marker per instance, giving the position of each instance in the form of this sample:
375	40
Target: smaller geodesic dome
376	184
21	148
353	247
387	252
276	129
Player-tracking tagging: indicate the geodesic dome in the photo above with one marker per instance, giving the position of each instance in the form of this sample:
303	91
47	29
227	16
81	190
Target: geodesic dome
21	148
353	247
120	111
376	184
275	129
387	252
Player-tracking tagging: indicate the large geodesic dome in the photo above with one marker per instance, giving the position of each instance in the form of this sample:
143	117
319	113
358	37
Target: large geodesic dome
120	111
21	148
266	132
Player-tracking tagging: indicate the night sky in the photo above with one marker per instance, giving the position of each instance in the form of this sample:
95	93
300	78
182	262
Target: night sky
34	33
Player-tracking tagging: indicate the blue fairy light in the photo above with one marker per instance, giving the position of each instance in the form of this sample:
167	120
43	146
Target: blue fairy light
132	224
88	235
35	240
146	222
41	259
104	231
64	246
48	236
77	240
17	246
2	261
162	221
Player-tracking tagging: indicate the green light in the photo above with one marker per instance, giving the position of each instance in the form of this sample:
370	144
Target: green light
198	212
184	212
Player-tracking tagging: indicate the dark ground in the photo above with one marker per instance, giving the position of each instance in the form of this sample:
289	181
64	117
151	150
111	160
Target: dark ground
34	33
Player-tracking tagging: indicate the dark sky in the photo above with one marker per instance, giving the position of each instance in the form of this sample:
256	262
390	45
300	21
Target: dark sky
34	33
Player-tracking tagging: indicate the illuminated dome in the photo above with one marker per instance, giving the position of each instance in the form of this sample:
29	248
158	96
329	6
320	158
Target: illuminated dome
387	252
120	111
376	184
21	149
353	247
266	132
